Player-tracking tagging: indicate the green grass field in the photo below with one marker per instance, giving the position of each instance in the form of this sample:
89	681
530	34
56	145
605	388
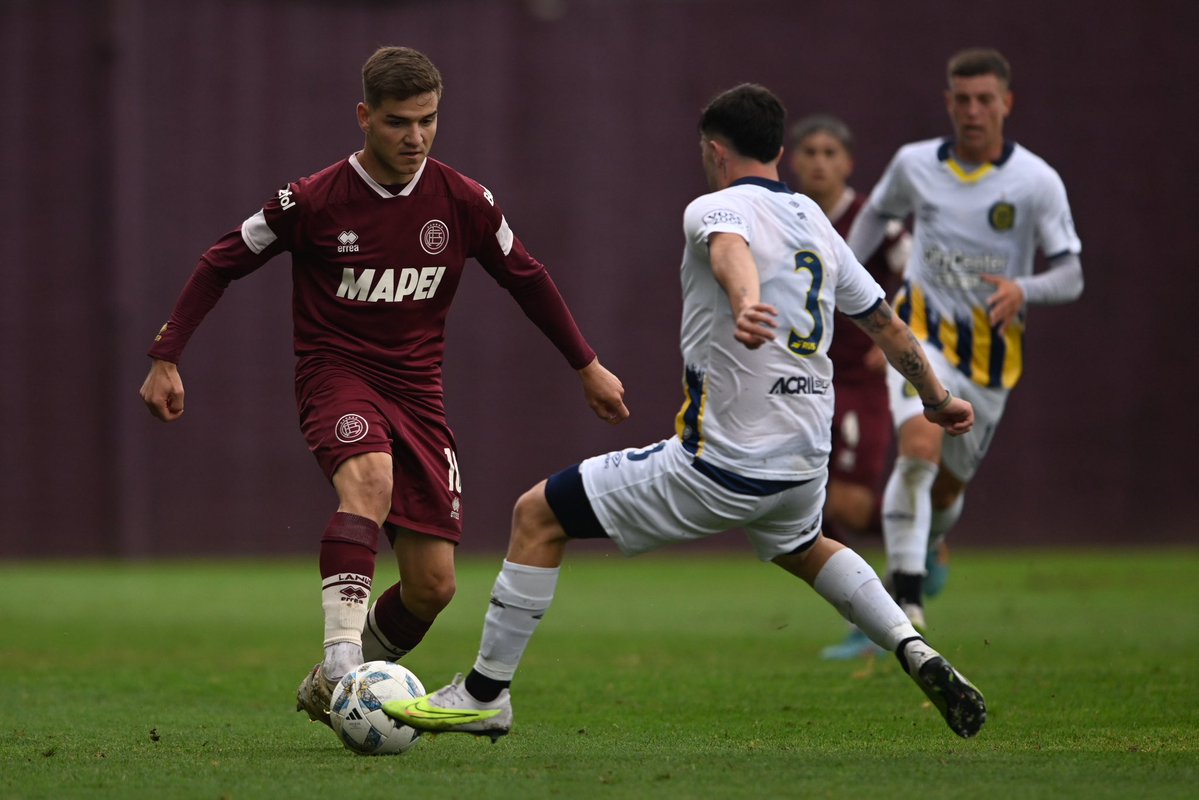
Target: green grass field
692	676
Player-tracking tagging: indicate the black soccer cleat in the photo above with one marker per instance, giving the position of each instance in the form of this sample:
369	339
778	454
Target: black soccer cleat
959	701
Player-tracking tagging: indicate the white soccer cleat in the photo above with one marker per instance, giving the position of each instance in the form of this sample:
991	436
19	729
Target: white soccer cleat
452	709
915	615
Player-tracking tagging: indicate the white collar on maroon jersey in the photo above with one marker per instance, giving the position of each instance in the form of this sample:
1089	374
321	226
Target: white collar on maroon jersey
378	187
842	205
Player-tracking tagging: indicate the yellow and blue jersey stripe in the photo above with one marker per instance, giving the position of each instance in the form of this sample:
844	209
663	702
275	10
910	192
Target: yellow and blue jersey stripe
972	345
687	422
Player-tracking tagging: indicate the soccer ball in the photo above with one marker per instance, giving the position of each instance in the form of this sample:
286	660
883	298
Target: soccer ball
356	710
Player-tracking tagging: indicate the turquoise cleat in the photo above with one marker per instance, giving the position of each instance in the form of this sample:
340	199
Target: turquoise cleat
855	645
936	565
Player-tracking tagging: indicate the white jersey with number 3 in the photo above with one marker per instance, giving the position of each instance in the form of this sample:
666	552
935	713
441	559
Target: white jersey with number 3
765	413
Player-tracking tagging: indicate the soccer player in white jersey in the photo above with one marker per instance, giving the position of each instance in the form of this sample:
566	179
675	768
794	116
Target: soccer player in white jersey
763	270
982	206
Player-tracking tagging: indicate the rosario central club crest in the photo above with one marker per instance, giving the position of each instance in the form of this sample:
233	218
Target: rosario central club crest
434	236
1002	216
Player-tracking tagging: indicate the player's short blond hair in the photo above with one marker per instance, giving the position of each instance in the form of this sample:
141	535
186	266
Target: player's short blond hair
397	73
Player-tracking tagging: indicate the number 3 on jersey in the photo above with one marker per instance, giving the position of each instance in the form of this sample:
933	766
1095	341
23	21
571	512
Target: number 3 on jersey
455	477
800	345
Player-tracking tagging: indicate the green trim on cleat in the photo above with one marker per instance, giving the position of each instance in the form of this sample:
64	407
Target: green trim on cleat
423	714
452	709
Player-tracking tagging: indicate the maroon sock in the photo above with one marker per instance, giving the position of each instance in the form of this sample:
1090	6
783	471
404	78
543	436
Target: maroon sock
396	623
347	558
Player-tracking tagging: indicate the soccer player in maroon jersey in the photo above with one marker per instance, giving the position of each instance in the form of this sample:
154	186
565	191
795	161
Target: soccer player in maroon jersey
379	242
821	157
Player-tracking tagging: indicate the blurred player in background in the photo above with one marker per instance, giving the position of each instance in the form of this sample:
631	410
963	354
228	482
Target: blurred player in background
821	158
982	206
379	241
762	273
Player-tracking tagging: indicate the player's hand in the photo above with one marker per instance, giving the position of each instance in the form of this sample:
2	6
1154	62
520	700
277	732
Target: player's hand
956	418
604	392
754	325
1005	303
162	391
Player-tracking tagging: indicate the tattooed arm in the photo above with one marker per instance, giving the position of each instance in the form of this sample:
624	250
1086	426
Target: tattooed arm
904	352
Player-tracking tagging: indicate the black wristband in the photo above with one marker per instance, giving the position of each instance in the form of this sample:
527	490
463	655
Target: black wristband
941	406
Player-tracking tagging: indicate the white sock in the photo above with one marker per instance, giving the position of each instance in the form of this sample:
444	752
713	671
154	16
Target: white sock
519	599
853	588
343	598
915	654
376	646
340	658
942	520
907	513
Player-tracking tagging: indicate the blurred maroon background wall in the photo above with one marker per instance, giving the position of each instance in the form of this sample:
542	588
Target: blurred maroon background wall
136	132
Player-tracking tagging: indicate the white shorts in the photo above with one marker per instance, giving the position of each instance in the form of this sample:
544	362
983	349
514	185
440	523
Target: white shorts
961	455
644	498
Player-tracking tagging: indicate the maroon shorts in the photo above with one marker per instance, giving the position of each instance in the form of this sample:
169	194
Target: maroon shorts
342	416
862	434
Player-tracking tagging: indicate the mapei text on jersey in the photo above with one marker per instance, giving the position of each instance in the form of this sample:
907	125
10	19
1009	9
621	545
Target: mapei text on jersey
393	285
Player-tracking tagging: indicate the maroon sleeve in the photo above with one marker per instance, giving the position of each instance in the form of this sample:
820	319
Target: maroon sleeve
542	303
199	295
528	281
228	259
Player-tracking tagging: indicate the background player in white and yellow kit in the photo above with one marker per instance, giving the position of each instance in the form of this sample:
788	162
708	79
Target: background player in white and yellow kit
763	271
982	206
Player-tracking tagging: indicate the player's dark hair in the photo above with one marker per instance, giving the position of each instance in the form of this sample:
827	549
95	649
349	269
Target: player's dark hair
397	73
975	61
750	117
822	123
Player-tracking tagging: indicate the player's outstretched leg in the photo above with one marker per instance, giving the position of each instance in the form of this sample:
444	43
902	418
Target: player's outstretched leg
960	703
315	695
452	709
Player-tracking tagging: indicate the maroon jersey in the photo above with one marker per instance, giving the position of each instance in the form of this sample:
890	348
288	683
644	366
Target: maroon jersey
850	343
374	272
